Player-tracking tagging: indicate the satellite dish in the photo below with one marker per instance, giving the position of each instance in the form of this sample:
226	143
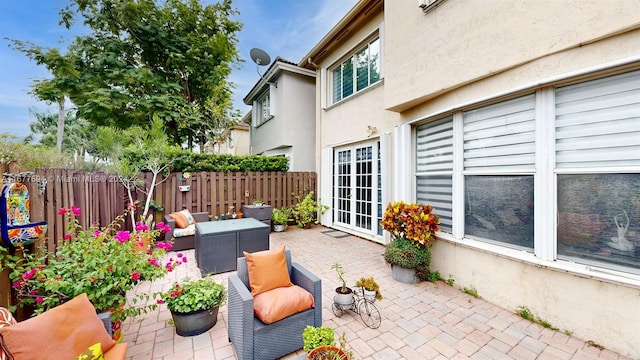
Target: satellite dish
260	57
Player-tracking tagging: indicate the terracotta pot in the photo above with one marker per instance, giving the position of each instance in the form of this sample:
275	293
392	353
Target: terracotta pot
327	352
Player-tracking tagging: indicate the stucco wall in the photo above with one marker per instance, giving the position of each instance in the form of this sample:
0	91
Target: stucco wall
591	309
293	126
463	41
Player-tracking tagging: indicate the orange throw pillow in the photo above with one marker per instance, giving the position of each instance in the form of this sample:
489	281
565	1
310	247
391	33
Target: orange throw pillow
183	218
276	304
59	333
267	270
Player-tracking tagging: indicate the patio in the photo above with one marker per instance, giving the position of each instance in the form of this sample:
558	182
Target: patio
422	321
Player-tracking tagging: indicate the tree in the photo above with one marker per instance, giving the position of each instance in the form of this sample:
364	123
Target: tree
146	59
53	90
79	138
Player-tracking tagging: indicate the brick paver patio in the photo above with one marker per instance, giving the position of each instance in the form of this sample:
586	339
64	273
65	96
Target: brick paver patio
421	321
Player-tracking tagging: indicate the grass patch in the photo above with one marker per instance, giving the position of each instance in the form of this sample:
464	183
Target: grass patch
471	291
525	313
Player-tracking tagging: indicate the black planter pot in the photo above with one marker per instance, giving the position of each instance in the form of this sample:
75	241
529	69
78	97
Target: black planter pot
196	322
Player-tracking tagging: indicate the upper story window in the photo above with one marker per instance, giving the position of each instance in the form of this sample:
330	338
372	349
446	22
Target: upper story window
263	109
357	72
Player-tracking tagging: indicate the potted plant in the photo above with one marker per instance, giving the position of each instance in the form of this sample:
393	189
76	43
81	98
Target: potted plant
370	287
305	211
413	228
104	263
194	304
319	344
280	218
344	294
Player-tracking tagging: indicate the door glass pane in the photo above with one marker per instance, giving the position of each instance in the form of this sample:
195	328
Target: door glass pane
364	191
343	183
599	219
499	209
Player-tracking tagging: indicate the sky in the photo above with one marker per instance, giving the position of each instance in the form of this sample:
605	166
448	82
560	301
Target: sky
285	28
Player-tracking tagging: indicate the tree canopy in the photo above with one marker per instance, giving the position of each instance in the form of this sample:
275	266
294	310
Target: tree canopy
145	59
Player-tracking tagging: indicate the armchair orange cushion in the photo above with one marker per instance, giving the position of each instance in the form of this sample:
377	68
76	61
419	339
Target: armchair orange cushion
267	270
276	304
63	332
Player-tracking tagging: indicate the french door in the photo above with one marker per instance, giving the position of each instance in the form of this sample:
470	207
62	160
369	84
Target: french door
355	185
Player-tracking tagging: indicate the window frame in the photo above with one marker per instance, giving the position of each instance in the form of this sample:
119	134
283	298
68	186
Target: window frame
259	117
350	60
545	179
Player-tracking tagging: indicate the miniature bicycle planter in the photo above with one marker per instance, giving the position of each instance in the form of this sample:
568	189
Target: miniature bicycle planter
361	305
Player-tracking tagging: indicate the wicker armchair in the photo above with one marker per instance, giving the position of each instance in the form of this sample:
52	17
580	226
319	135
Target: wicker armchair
183	242
251	338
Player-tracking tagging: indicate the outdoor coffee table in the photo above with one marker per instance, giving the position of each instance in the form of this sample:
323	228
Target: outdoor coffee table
218	244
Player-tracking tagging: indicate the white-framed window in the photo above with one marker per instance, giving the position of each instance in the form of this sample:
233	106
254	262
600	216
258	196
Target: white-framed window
589	133
263	108
358	71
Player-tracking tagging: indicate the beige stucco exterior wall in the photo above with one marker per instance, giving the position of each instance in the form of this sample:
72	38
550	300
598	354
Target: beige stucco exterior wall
593	310
292	131
461	42
347	121
466	52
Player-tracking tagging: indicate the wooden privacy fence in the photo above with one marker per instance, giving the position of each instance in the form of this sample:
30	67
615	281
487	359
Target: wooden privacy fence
101	198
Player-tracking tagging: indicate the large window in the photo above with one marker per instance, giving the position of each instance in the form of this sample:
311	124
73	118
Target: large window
597	130
499	161
573	150
357	72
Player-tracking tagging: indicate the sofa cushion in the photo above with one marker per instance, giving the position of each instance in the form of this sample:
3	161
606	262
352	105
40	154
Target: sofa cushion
276	304
183	218
188	231
94	352
267	270
62	332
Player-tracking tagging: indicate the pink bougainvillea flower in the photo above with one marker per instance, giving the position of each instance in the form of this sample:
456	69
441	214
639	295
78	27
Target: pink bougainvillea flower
135	276
160	301
62	211
122	236
97	233
16	284
180	255
75	210
140	226
67	236
28	275
160	225
39	299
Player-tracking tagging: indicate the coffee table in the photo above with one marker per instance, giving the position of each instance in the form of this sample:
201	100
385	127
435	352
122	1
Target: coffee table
218	244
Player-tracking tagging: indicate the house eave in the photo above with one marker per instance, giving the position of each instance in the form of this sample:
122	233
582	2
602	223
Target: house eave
275	71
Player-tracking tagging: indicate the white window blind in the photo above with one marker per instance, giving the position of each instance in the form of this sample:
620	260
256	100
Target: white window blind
598	123
434	146
501	137
434	166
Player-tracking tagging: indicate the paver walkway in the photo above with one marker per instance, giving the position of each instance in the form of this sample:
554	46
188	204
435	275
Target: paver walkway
421	321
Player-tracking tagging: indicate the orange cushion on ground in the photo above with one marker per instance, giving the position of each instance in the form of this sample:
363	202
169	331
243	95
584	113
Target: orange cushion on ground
276	304
267	270
63	332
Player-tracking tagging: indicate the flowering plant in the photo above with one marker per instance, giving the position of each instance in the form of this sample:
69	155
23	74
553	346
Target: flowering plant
415	222
104	263
193	295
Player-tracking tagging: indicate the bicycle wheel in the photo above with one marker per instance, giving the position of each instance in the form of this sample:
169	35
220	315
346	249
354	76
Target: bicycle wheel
369	314
337	310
